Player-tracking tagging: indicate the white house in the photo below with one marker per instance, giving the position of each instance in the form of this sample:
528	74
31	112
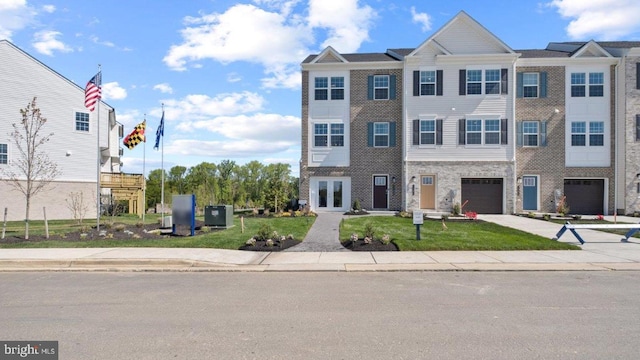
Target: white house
73	145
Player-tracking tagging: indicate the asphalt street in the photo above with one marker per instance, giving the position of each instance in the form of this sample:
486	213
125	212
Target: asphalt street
326	315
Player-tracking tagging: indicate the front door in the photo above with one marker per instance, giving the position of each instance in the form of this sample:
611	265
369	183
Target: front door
427	192
380	192
530	193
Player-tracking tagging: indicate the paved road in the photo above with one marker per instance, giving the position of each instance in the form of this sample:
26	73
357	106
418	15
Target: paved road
414	315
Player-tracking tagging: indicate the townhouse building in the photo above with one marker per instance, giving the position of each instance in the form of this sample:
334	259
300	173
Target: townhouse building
480	125
73	145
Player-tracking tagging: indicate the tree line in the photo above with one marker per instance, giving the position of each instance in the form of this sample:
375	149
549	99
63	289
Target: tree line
226	183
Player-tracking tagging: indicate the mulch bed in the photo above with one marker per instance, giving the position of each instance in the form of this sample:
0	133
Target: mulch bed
373	246
261	245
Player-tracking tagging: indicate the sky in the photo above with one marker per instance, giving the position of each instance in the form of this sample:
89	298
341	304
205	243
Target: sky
228	72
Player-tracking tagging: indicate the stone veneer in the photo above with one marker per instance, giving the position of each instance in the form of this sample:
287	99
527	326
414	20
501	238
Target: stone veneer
632	151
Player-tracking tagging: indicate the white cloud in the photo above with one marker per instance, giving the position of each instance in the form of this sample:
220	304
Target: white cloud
14	16
202	107
278	39
224	149
347	23
49	8
600	19
113	91
129	119
421	18
97	40
264	127
164	88
234	77
46	42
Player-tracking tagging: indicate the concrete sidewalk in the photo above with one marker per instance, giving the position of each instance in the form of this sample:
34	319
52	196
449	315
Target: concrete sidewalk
601	252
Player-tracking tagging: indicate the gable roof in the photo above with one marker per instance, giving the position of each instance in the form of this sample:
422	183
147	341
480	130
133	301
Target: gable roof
461	17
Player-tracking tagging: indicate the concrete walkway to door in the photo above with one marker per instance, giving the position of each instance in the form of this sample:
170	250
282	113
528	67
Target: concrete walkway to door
323	235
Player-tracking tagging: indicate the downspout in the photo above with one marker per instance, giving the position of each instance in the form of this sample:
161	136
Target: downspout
615	158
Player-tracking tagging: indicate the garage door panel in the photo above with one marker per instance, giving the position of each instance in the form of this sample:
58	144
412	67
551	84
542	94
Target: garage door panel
482	195
584	196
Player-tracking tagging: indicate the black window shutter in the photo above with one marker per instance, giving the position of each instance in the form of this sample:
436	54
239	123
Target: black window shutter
416	83
519	85
462	131
370	134
392	134
543	133
543	84
638	75
438	131
392	87
370	87
416	132
504	82
519	136
462	82
503	132
638	127
439	79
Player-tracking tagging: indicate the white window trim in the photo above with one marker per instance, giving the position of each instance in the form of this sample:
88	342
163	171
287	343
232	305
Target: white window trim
331	87
483	119
435	132
537	85
388	87
388	135
435	82
537	134
483	80
75	129
312	131
331	135
8	153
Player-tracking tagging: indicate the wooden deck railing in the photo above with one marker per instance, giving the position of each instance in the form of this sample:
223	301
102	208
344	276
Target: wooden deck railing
121	181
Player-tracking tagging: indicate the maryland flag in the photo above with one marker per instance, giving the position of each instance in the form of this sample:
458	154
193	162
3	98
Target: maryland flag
136	136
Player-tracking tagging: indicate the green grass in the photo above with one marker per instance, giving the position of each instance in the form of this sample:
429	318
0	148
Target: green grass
231	238
459	235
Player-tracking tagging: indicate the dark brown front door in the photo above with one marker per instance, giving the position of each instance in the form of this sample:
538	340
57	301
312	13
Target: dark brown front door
380	192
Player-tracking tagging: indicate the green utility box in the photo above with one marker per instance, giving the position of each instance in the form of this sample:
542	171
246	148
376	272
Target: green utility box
219	216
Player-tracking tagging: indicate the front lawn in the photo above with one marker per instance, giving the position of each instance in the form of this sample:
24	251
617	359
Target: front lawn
458	235
231	238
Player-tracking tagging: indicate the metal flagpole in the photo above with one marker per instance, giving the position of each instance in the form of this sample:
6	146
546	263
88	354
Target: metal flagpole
162	166
99	153
144	177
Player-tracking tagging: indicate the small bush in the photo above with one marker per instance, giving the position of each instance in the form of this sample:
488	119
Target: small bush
120	227
445	217
531	214
456	209
264	232
386	239
251	242
269	242
547	217
356	205
369	231
205	229
367	240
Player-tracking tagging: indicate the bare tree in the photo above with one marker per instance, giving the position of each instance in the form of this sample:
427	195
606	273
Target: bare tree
31	170
77	205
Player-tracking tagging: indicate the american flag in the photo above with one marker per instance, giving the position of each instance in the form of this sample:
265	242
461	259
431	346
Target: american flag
92	91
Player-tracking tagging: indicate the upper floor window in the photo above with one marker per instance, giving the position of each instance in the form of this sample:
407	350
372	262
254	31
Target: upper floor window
488	81
596	133
381	134
82	121
321	88
530	133
427	82
320	135
482	132
427	132
4	154
530	85
337	134
595	84
337	88
328	134
381	87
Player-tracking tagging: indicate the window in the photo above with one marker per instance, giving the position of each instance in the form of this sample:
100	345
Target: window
530	85
337	134
427	180
322	194
492	81
321	88
381	134
381	87
596	133
4	154
82	121
530	133
337	88
578	85
578	133
337	194
596	84
474	132
320	138
492	132
427	132
427	82
474	82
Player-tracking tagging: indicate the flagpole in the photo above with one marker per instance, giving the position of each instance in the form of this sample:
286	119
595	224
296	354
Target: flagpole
162	166
99	157
144	177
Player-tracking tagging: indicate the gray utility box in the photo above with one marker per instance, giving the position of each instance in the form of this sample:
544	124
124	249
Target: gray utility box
218	216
